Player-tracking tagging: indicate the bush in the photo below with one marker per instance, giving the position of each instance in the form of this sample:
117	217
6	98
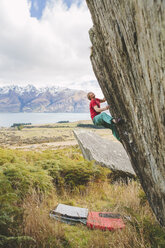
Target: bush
154	233
23	177
21	241
28	181
17	179
6	156
71	170
21	173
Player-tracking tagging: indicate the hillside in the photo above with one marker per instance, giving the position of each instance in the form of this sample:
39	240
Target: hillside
48	99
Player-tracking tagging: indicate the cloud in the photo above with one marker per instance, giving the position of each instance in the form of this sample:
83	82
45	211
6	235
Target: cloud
35	5
53	50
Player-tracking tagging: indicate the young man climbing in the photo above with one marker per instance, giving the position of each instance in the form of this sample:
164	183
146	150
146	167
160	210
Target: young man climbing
100	118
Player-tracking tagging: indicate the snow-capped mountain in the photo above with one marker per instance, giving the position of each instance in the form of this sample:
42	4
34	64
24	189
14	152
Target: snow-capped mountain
15	98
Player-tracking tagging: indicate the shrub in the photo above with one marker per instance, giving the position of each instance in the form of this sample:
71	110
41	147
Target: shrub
71	170
23	172
17	179
22	178
28	182
6	156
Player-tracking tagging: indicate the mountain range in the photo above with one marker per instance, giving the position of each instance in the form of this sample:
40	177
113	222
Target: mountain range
14	99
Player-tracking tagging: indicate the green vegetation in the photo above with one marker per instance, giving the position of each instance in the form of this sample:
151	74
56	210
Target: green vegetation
33	183
20	126
90	126
63	122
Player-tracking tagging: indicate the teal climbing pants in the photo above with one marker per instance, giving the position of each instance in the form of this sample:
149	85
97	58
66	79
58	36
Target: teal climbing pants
106	121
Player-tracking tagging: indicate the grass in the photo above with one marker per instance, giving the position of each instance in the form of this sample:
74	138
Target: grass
97	197
59	132
33	183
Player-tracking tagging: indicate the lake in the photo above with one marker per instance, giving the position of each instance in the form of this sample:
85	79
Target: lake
7	119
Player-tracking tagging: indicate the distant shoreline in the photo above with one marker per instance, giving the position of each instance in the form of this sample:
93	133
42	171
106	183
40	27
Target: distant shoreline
8	119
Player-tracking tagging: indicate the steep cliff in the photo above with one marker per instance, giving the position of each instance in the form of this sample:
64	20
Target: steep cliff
128	58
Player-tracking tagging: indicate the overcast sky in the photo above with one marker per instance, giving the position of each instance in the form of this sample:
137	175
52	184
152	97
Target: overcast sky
46	42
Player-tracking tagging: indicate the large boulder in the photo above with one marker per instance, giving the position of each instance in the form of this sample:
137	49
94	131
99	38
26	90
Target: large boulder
105	152
128	58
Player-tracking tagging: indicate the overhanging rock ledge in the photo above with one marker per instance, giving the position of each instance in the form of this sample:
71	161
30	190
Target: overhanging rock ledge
105	152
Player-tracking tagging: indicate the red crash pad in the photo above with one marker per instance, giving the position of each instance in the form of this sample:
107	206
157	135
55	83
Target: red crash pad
104	221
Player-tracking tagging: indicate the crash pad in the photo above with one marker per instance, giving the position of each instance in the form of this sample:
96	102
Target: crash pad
69	214
104	221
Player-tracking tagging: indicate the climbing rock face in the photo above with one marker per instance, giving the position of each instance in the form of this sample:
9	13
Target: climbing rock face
128	58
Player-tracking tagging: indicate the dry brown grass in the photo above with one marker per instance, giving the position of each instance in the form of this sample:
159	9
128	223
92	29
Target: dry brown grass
38	225
123	199
101	196
117	198
126	238
45	136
